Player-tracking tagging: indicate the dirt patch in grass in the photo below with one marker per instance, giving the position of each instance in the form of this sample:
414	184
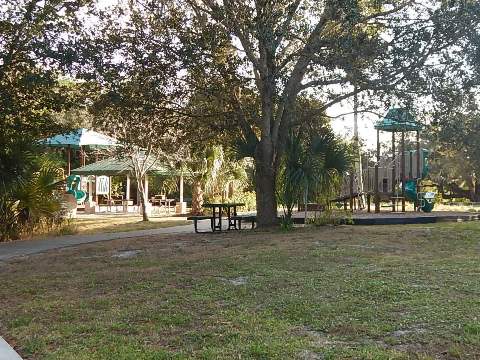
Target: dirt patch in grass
396	292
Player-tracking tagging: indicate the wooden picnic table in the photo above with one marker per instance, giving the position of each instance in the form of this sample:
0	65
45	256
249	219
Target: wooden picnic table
167	203
231	211
162	203
114	202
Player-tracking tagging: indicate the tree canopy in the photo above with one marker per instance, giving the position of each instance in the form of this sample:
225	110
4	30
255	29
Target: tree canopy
332	49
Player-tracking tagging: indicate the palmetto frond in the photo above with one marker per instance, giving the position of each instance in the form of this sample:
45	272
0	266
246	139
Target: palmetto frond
312	165
36	194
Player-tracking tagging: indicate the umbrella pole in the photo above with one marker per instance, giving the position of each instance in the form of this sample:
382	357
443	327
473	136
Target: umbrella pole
82	156
69	159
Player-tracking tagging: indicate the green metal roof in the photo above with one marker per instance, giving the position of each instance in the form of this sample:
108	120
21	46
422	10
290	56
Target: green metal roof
398	119
80	137
115	166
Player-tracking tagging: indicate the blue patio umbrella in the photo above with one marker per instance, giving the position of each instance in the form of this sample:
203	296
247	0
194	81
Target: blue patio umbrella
78	139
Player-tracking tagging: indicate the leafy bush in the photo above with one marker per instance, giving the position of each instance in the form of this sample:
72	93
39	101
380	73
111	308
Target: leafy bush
248	198
9	216
286	223
66	227
32	201
312	166
329	217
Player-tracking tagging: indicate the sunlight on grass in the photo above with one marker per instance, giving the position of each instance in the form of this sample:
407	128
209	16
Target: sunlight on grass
383	292
109	224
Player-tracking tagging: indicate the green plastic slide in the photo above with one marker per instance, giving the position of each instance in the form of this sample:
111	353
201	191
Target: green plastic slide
73	187
426	199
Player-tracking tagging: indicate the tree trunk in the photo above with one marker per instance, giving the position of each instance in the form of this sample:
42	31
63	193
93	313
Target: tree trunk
265	174
144	207
197	197
472	187
143	200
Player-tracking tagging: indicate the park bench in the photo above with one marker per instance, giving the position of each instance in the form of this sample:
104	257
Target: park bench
248	218
197	218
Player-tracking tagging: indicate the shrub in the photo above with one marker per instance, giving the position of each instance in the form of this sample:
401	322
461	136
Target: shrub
248	198
32	201
9	217
329	217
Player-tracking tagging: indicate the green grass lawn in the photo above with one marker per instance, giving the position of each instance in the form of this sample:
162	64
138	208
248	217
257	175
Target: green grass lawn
99	224
104	224
385	292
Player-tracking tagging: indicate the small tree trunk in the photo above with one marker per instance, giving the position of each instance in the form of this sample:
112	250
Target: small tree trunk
144	208
471	187
143	200
197	197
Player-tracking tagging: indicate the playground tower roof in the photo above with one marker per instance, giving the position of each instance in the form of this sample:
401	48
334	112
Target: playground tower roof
398	119
80	137
114	166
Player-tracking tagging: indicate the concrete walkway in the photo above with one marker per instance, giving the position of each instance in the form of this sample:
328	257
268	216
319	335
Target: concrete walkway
13	249
7	352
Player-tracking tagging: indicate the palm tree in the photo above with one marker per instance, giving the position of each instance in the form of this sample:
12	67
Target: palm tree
311	166
213	171
32	198
201	166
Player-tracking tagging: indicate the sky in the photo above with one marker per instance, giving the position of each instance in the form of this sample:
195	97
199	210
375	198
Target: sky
343	125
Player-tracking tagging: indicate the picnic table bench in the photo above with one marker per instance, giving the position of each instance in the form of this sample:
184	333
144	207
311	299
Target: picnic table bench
234	220
196	218
247	218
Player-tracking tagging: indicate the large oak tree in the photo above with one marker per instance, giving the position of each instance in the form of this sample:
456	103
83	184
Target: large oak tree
332	49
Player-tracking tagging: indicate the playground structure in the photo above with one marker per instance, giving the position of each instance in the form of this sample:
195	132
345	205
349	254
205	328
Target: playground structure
396	178
74	183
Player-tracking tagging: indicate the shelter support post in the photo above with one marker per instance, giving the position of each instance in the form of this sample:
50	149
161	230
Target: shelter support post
402	176
181	207
146	188
127	188
96	194
351	191
394	169
419	170
90	188
410	165
181	188
377	194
